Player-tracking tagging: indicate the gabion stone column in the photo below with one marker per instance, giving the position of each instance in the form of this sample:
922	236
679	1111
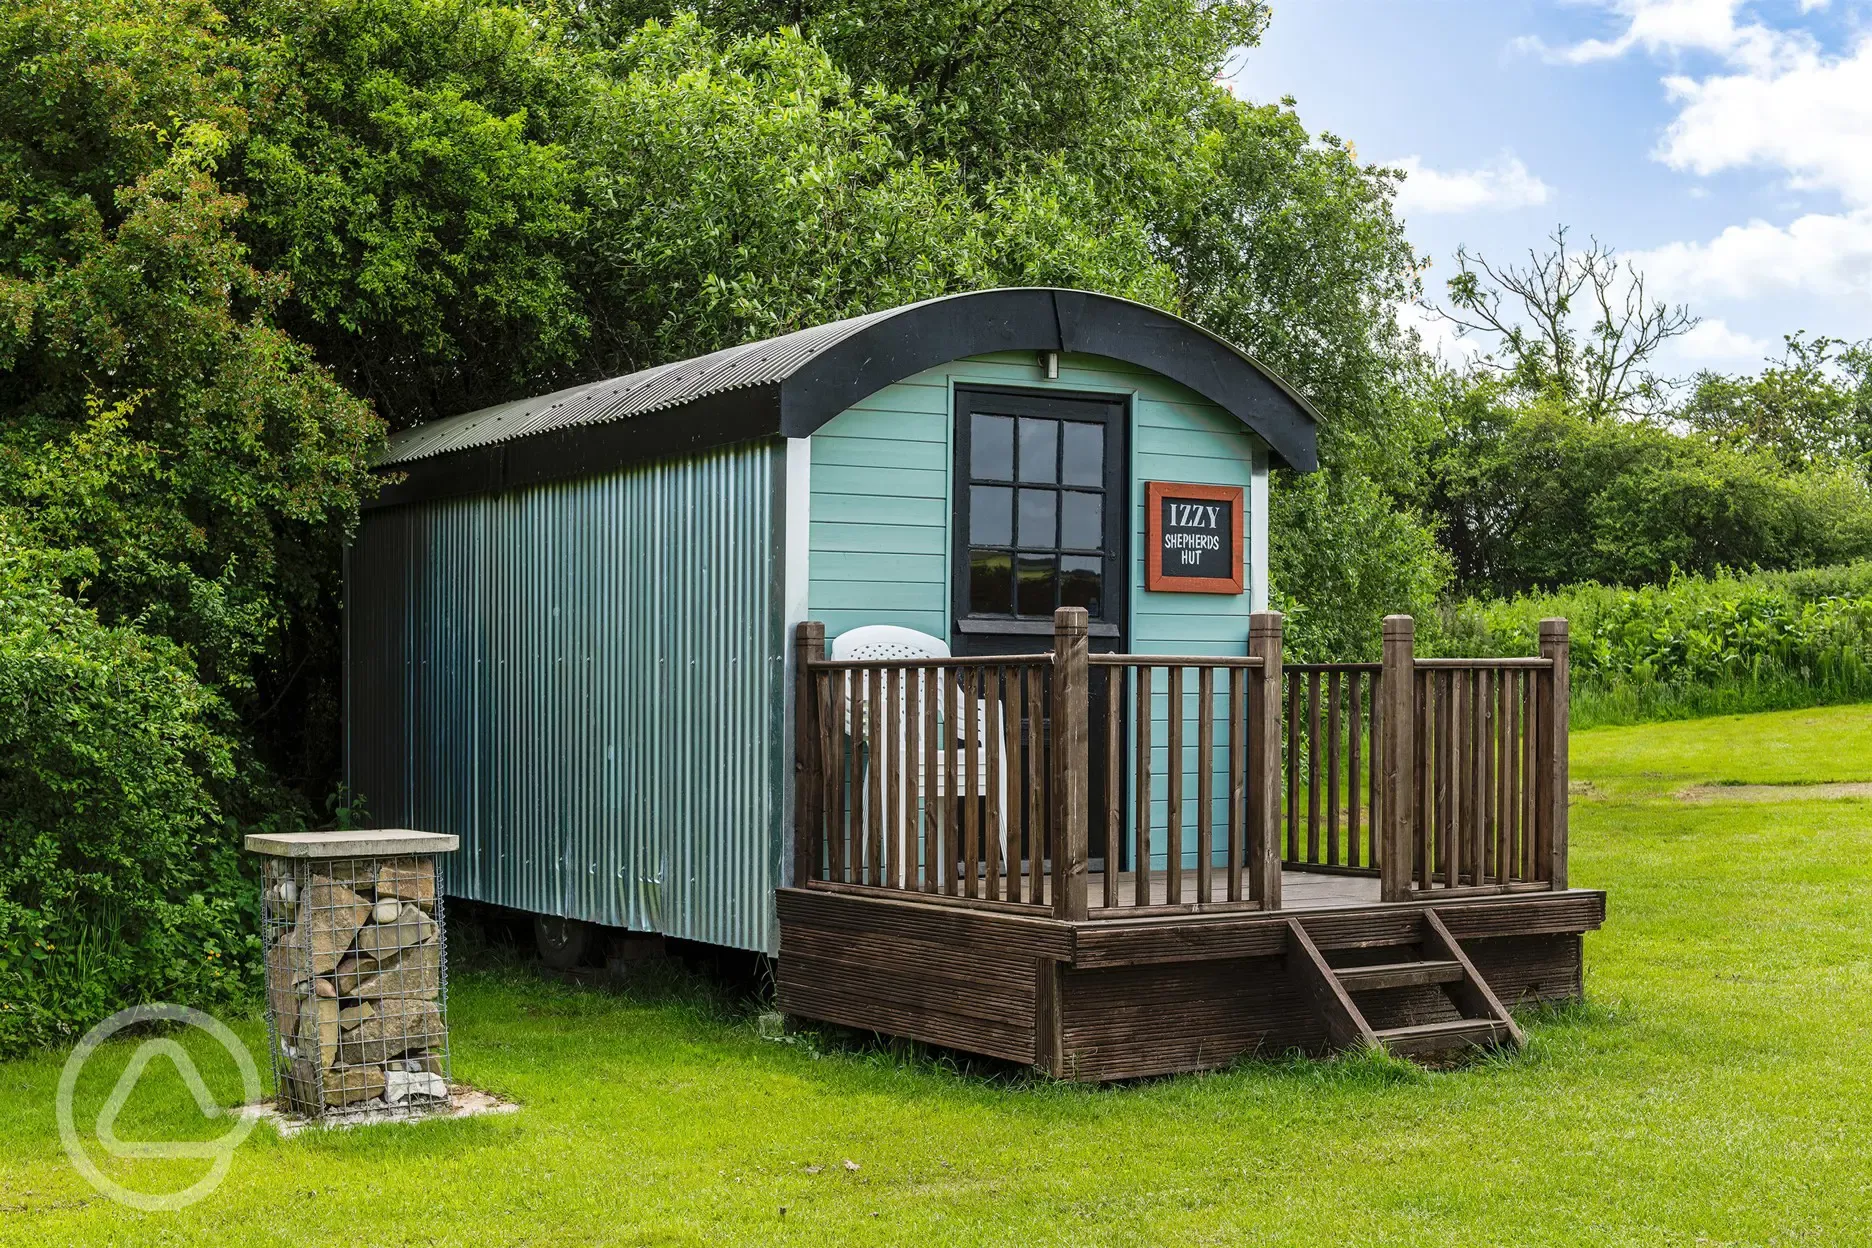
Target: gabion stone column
355	970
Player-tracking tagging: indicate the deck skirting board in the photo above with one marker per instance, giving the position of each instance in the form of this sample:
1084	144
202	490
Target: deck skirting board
1118	1000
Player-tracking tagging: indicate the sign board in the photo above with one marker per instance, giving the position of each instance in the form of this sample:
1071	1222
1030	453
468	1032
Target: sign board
1193	538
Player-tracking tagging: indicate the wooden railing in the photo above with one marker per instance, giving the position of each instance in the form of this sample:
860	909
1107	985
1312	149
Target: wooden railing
1205	739
1475	769
930	776
1332	767
998	782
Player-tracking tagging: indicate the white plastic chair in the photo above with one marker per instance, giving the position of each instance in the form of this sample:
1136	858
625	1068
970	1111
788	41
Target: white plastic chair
882	643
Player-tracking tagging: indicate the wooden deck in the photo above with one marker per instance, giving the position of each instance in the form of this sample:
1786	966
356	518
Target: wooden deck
943	826
1118	997
1300	890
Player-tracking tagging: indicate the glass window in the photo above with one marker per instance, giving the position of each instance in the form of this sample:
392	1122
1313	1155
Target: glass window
1035	513
991	447
1039	450
1082	520
1079	582
1038	509
991	515
988	582
1036	590
1082	458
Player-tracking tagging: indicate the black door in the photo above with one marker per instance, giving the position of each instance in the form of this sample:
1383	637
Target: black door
1041	510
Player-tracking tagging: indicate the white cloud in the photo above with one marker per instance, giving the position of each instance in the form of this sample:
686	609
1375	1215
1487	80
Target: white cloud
1675	26
1820	254
1503	185
1438	336
1712	340
1777	102
1810	117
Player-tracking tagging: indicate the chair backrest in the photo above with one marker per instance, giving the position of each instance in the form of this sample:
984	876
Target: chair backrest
886	641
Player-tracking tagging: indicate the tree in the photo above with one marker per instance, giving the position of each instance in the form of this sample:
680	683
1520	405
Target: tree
1812	406
155	414
1576	325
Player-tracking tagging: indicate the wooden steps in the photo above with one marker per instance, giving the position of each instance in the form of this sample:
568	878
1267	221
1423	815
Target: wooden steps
1398	975
1481	1020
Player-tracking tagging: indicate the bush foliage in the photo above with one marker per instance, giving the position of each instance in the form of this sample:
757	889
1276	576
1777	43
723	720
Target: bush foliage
1696	645
119	882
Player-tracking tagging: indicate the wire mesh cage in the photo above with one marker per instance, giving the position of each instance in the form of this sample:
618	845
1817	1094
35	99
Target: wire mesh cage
357	985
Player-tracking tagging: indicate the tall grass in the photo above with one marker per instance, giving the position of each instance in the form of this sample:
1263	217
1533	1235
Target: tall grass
1697	646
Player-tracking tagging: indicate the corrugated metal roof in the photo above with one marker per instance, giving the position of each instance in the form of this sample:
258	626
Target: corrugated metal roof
968	323
617	398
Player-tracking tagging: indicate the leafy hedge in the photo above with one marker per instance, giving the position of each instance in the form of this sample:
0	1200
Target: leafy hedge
118	880
1696	646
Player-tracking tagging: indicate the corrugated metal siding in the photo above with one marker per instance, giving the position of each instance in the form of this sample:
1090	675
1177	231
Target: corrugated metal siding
584	681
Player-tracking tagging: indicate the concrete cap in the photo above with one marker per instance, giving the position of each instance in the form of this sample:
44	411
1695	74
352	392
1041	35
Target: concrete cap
361	843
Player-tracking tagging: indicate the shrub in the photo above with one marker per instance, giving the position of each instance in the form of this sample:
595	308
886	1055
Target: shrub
119	881
1695	646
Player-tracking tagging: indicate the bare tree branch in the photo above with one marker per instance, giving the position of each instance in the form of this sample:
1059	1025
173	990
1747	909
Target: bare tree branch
1534	314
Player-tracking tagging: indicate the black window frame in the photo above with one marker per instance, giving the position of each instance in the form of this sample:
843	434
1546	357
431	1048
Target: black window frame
1109	410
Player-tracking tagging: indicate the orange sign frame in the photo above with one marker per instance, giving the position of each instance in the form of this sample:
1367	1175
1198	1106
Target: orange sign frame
1155	492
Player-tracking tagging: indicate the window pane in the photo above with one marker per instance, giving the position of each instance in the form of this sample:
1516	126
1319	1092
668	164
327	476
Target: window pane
991	447
1034	591
1039	449
991	515
1083	459
1079	582
1037	518
1082	519
988	582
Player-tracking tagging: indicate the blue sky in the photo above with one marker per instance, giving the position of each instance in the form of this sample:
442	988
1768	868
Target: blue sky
1723	146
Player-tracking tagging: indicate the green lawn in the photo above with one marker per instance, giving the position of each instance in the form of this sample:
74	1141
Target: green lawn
1716	1090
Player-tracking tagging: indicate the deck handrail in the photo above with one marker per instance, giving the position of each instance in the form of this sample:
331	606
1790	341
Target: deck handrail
972	778
1474	768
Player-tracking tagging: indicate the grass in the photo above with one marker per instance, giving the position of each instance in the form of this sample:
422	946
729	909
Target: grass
1712	1091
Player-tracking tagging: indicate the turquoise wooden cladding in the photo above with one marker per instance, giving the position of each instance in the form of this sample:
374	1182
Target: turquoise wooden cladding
881	498
881	504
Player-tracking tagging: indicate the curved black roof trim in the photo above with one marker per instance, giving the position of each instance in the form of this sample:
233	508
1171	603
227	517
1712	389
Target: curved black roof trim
793	384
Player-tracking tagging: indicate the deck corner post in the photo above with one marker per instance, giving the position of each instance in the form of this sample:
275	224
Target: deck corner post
1264	760
1552	781
1071	734
1398	685
808	783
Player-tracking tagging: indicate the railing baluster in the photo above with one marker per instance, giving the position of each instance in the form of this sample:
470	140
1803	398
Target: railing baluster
1486	860
1293	767
1238	757
1476	853
991	830
1452	778
1332	768
874	777
928	694
890	733
951	849
1205	784
1114	778
1173	776
1037	821
1375	793
1140	876
829	780
971	782
1313	767
1530	740
1355	742
1423	837
1013	781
